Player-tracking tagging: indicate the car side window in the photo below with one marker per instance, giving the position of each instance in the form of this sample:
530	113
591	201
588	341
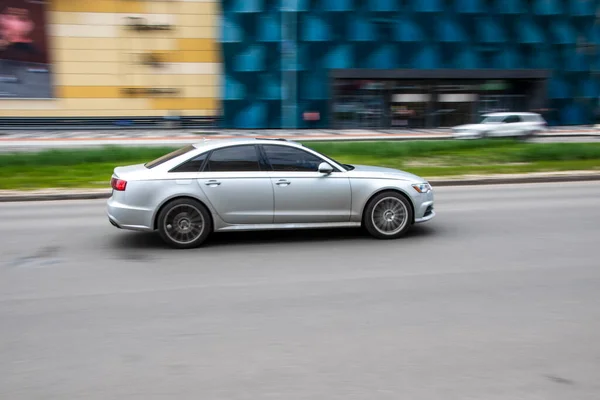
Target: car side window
285	158
513	119
193	165
234	159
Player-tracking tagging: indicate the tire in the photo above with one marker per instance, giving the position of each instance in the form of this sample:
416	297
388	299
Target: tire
184	223
527	136
532	134
385	208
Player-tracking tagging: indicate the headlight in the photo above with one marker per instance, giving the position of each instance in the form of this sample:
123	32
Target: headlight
422	187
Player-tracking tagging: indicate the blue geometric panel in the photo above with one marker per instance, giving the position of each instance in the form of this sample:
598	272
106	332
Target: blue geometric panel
449	31
490	31
468	59
248	6
394	34
294	5
558	89
270	87
548	7
470	6
408	30
428	57
361	29
313	89
427	6
511	59
575	61
382	5
336	5
540	58
563	32
590	88
253	116
231	32
572	113
595	36
583	8
234	90
338	57
269	28
530	32
510	7
315	29
251	60
383	57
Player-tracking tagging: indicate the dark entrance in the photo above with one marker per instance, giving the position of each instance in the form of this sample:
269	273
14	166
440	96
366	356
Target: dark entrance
429	99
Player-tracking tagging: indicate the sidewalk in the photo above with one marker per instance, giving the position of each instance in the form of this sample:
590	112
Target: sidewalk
178	133
23	140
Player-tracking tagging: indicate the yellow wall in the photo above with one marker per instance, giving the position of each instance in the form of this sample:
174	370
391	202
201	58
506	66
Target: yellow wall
94	56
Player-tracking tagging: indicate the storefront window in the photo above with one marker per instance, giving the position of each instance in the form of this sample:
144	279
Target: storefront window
359	103
425	103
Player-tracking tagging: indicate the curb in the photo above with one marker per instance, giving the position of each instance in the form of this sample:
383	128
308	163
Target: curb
504	180
54	197
507	180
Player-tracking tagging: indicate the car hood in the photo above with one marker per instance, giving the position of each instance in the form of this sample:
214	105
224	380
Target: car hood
367	171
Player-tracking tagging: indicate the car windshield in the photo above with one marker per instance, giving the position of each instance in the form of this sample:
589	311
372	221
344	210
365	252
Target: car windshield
347	167
169	156
494	119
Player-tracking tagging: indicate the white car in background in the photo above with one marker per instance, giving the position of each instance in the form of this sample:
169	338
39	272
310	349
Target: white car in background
502	125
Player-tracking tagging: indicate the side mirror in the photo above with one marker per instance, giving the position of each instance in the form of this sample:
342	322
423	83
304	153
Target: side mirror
325	168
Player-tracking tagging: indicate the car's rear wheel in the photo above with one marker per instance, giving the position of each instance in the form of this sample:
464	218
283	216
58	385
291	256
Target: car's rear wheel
530	135
388	215
184	223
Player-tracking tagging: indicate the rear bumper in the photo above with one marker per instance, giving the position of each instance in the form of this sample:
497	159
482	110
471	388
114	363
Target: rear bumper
125	217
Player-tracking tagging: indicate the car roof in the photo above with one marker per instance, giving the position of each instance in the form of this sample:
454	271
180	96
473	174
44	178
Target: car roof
210	143
506	114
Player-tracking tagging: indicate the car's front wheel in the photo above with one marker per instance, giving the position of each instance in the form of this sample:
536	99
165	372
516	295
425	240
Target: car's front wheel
388	215
184	223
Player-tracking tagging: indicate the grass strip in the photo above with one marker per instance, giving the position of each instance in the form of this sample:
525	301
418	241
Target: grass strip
92	168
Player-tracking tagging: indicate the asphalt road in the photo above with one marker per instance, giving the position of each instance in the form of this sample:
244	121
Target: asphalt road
496	298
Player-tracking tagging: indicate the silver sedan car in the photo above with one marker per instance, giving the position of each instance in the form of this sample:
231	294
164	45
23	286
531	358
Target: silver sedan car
262	184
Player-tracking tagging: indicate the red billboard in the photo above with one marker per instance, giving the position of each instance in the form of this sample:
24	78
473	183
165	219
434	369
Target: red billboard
24	59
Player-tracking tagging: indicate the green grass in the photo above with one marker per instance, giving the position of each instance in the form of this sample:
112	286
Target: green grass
93	168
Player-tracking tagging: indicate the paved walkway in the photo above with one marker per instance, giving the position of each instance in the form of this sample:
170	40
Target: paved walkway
23	140
179	133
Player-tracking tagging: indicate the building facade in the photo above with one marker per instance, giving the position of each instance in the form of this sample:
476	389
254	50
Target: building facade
416	63
301	63
111	58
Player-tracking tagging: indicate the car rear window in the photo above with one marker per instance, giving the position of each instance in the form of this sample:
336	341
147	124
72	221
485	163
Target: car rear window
170	156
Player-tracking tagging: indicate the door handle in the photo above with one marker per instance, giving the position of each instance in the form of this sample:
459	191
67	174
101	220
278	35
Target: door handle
283	182
212	183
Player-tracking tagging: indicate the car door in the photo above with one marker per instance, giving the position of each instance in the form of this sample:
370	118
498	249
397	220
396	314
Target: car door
237	184
511	125
302	193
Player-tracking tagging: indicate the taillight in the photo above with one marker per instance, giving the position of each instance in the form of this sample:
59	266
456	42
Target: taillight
118	184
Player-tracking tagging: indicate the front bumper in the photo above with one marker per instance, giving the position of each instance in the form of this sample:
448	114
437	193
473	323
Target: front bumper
426	213
424	209
126	217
